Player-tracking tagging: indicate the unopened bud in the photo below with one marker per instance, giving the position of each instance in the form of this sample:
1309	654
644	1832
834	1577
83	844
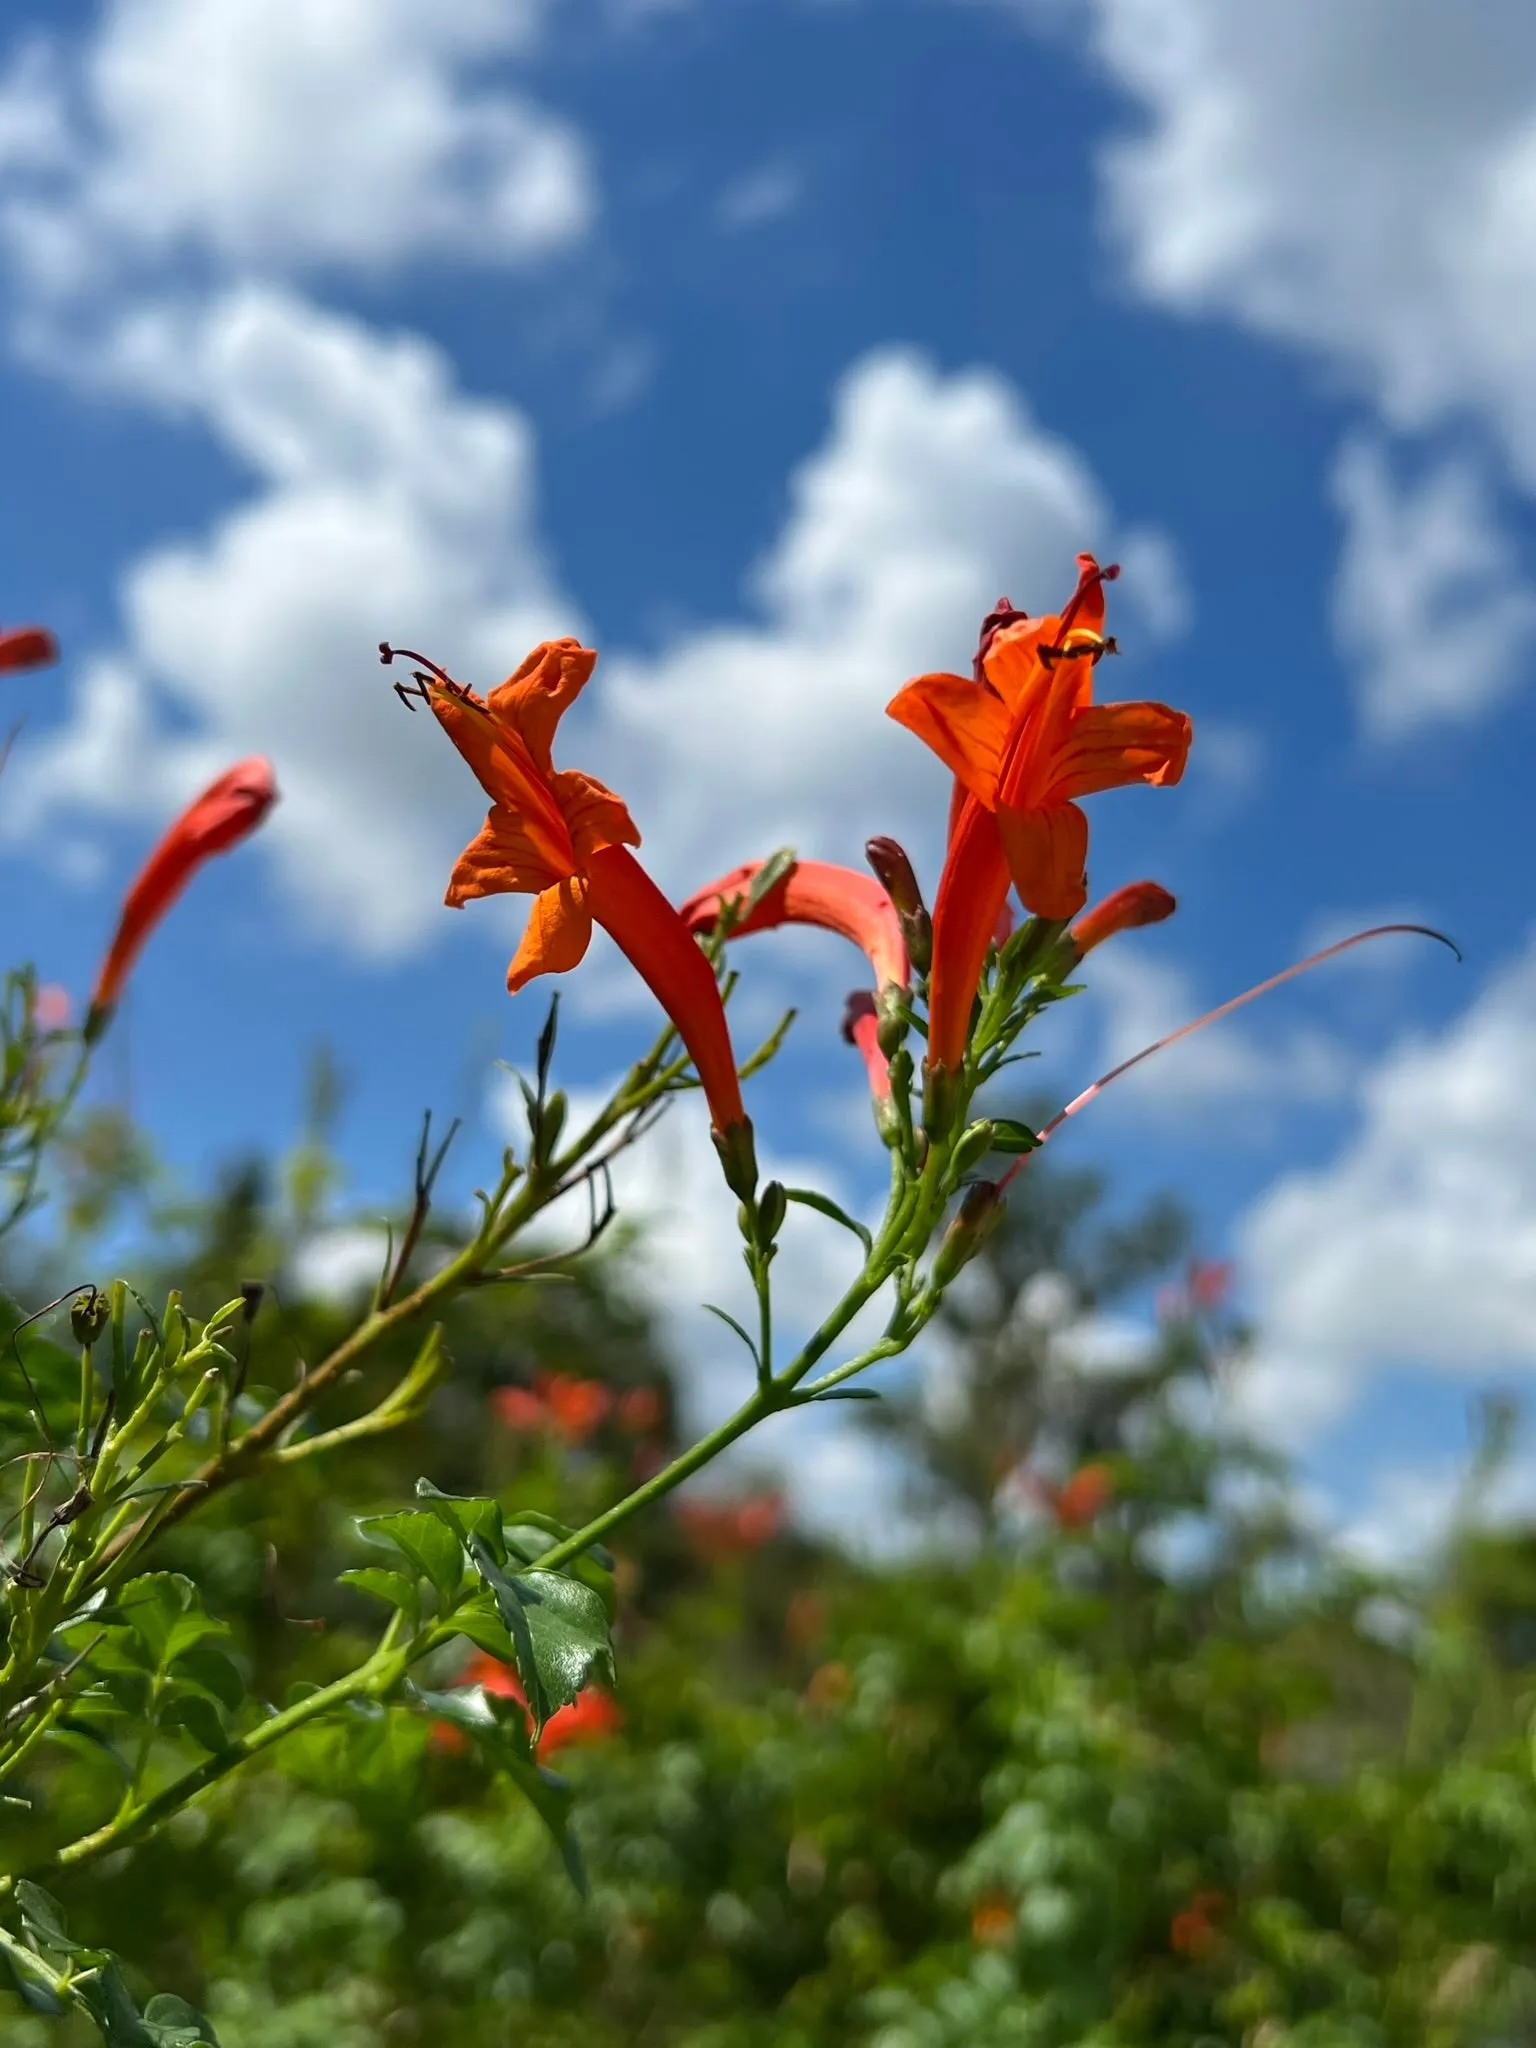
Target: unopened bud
771	1211
979	1214
549	1124
893	1026
88	1315
738	1158
894	871
1138	903
972	1146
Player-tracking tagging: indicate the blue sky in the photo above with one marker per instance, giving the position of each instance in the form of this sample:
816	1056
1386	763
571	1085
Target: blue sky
765	343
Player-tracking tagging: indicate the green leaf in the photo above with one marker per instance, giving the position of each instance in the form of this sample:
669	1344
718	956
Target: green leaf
466	1516
732	1324
105	1997
769	875
34	1983
530	1536
809	1198
500	1728
845	1394
171	2023
165	1611
559	1631
215	1673
198	1715
43	1918
427	1543
1008	1135
394	1587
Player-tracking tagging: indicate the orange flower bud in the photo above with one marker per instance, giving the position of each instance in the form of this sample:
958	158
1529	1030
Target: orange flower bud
1138	903
228	811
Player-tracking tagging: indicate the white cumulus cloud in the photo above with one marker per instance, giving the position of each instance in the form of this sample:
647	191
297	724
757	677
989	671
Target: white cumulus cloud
1416	1246
387	504
278	134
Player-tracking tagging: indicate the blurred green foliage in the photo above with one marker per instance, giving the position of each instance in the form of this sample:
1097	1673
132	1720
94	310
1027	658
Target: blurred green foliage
1123	1756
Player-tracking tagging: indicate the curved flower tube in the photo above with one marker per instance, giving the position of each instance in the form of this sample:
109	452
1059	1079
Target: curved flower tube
815	892
1025	740
228	811
861	1029
27	647
563	838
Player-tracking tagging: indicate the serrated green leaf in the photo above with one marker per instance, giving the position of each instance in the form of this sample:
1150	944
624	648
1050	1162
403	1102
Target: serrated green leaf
425	1540
465	1515
394	1587
559	1631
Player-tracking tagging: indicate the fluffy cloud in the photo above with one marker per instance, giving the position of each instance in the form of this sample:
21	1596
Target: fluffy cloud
1429	602
281	133
931	495
1355	175
389	504
1417	1245
1356	178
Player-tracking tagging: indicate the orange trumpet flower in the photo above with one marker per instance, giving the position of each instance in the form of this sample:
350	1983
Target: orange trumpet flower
1025	740
27	647
561	837
812	892
228	811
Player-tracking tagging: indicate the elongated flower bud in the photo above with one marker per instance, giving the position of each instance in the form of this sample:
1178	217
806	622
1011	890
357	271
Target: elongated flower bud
1138	903
978	1216
890	863
228	811
27	647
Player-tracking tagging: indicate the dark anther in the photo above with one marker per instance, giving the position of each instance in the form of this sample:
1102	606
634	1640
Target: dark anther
1089	644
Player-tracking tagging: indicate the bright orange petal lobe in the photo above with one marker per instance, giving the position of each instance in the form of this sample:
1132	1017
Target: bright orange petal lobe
1047	854
228	811
972	891
502	859
558	935
1111	745
536	696
814	892
966	727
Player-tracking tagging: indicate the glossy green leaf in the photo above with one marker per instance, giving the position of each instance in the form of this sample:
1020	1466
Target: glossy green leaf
427	1543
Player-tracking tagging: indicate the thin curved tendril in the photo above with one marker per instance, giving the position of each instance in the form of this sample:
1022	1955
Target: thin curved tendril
1262	988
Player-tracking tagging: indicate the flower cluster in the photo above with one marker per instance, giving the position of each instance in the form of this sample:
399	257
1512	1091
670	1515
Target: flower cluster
1025	742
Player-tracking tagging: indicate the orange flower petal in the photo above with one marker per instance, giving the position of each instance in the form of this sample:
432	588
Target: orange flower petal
1047	853
506	771
972	890
1111	745
594	816
502	858
540	691
630	907
558	935
967	727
